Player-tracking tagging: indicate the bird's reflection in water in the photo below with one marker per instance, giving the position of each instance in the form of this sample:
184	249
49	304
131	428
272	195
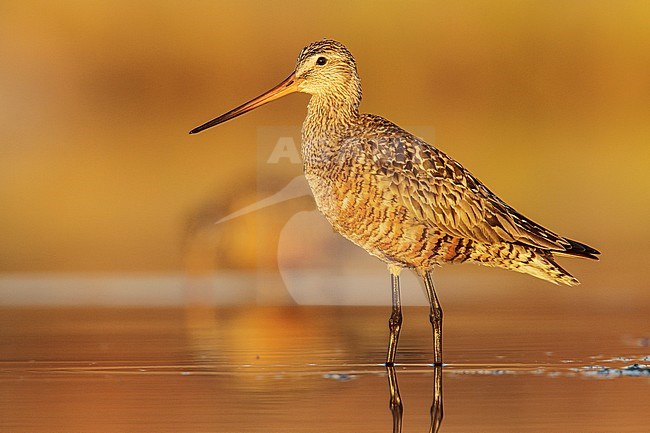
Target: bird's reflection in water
395	400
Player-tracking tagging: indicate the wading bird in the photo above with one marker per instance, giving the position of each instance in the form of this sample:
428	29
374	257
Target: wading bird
400	198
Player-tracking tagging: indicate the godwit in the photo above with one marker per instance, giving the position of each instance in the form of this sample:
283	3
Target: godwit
400	198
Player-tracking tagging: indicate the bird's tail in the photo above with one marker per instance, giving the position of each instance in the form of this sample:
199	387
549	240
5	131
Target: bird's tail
521	258
544	266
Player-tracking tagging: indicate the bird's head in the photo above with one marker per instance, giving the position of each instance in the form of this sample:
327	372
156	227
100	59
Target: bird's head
324	68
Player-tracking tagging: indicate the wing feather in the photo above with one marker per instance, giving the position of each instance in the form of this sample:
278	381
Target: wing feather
441	193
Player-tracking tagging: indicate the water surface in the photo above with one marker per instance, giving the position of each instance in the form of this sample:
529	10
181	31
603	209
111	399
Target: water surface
319	369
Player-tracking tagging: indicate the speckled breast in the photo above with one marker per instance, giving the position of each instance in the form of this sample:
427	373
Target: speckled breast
358	203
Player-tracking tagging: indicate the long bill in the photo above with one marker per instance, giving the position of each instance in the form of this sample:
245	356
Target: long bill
289	85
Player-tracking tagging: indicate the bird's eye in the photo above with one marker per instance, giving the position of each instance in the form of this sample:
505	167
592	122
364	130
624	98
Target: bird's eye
321	61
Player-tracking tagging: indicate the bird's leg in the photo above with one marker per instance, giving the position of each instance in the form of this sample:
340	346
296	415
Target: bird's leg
436	403
435	316
395	321
395	402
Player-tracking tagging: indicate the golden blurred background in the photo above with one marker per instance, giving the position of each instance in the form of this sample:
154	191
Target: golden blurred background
545	102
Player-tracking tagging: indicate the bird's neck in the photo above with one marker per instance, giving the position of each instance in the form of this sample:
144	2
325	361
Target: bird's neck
330	114
326	126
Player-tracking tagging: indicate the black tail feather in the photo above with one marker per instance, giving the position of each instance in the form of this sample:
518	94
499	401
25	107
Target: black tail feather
581	250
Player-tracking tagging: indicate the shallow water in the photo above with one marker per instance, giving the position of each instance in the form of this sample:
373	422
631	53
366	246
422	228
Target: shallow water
543	368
